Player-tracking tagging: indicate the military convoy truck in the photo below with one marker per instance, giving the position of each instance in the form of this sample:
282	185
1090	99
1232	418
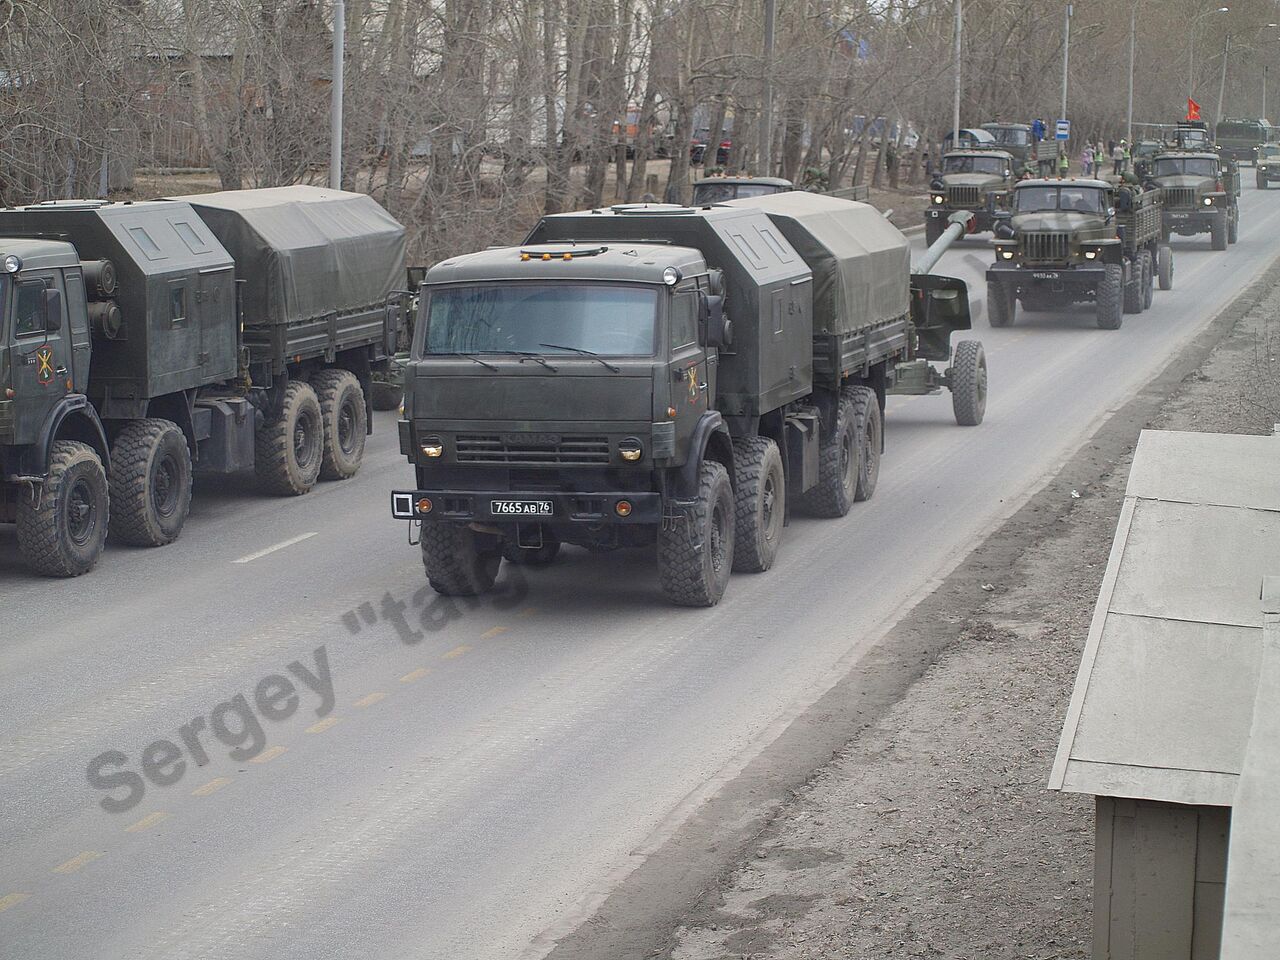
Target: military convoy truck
1201	192
717	189
143	342
978	181
1016	140
1266	164
1078	241
669	378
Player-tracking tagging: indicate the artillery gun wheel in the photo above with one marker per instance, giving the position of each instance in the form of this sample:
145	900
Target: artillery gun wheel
460	562
1110	304
1148	279
1218	234
1233	227
533	556
62	535
289	450
838	466
1165	266
695	554
150	483
760	503
870	430
1133	292
1002	304
968	380
344	417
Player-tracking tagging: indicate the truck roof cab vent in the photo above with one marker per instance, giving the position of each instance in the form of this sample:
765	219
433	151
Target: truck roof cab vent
653	209
560	251
68	205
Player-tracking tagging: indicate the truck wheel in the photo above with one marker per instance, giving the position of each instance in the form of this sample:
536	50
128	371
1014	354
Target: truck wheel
460	562
695	554
345	418
760	503
969	383
838	467
933	229
1002	304
1148	279
150	483
1133	288
1111	298
1233	227
288	451
1218	233
64	534
870	431
1164	266
533	556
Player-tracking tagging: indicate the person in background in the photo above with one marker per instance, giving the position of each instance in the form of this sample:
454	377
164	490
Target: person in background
1037	129
1063	164
1117	159
1086	160
1124	163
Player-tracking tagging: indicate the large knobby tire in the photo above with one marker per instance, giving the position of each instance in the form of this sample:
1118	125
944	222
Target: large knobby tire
1164	266
838	467
1233	227
760	503
1002	304
459	561
1148	279
870	432
62	535
695	553
345	419
289	450
1111	298
150	483
1133	291
533	556
1218	233
969	383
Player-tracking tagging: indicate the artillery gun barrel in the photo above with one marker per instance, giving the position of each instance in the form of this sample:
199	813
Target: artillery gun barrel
957	226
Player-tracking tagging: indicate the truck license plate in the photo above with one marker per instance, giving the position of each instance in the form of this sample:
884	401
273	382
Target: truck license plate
1178	216
521	508
1041	275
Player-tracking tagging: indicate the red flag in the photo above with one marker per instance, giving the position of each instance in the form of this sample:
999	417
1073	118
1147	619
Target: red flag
1193	109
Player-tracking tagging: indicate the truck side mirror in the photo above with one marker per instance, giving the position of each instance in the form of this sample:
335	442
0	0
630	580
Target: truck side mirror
52	311
717	330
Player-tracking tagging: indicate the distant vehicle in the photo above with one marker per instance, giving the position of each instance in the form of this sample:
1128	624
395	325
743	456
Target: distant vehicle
698	148
1142	153
1237	139
1190	135
1266	164
718	189
1015	140
976	181
971	138
1078	241
1201	191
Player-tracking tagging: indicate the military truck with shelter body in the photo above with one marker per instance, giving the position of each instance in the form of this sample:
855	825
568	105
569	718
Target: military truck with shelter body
1016	140
1201	195
143	342
669	378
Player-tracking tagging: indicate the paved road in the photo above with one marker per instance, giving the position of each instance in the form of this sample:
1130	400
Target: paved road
471	792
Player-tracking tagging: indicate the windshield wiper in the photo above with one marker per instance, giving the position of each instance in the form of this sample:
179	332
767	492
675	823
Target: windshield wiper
455	353
585	353
526	355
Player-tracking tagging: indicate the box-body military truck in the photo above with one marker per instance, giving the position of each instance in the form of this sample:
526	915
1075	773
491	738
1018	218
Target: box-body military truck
143	342
977	181
1201	192
1266	164
1078	241
668	378
1016	140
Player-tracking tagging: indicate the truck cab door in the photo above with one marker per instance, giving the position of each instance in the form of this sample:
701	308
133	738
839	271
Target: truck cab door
41	348
689	384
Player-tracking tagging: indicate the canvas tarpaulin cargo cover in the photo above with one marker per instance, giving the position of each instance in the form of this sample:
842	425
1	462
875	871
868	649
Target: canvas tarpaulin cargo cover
861	262
304	252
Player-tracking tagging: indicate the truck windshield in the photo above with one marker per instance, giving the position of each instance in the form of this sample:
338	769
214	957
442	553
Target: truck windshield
1078	198
1269	150
1016	137
1186	166
608	319
992	165
716	192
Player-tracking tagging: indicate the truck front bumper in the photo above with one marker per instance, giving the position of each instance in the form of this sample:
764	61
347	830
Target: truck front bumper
494	507
1047	278
1188	222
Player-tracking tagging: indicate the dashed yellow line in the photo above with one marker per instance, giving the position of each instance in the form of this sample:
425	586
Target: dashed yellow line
323	725
150	820
78	861
456	652
496	631
213	786
12	900
266	755
371	699
415	675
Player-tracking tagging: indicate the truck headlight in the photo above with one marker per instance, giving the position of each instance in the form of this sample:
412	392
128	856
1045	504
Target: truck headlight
938	198
630	450
1262	167
1006	254
1208	201
12	263
1091	254
432	447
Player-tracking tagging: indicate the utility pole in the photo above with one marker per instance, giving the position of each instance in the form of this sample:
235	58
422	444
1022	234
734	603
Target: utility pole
766	99
1066	58
335	93
1222	84
1264	92
1133	38
955	109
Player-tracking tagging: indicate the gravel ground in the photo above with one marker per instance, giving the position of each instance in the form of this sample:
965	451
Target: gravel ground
932	834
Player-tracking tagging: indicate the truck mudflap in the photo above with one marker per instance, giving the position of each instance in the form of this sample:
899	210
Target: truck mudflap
939	308
540	506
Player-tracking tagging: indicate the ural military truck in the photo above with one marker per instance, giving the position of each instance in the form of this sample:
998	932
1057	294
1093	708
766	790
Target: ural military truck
1201	192
1266	164
1078	241
1014	139
718	189
142	342
668	378
978	181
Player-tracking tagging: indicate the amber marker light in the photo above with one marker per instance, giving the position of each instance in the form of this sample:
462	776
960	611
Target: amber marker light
671	412
424	505
622	508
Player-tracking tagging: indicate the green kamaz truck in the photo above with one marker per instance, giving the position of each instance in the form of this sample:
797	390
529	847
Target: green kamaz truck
668	378
143	342
1078	241
976	181
1201	195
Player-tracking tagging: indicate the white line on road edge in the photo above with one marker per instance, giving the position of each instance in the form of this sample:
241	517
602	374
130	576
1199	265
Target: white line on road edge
279	546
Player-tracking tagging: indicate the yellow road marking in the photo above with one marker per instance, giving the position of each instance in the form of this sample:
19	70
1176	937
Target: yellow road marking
456	652
78	861
150	820
490	634
266	755
371	699
212	786
415	675
12	900
323	725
